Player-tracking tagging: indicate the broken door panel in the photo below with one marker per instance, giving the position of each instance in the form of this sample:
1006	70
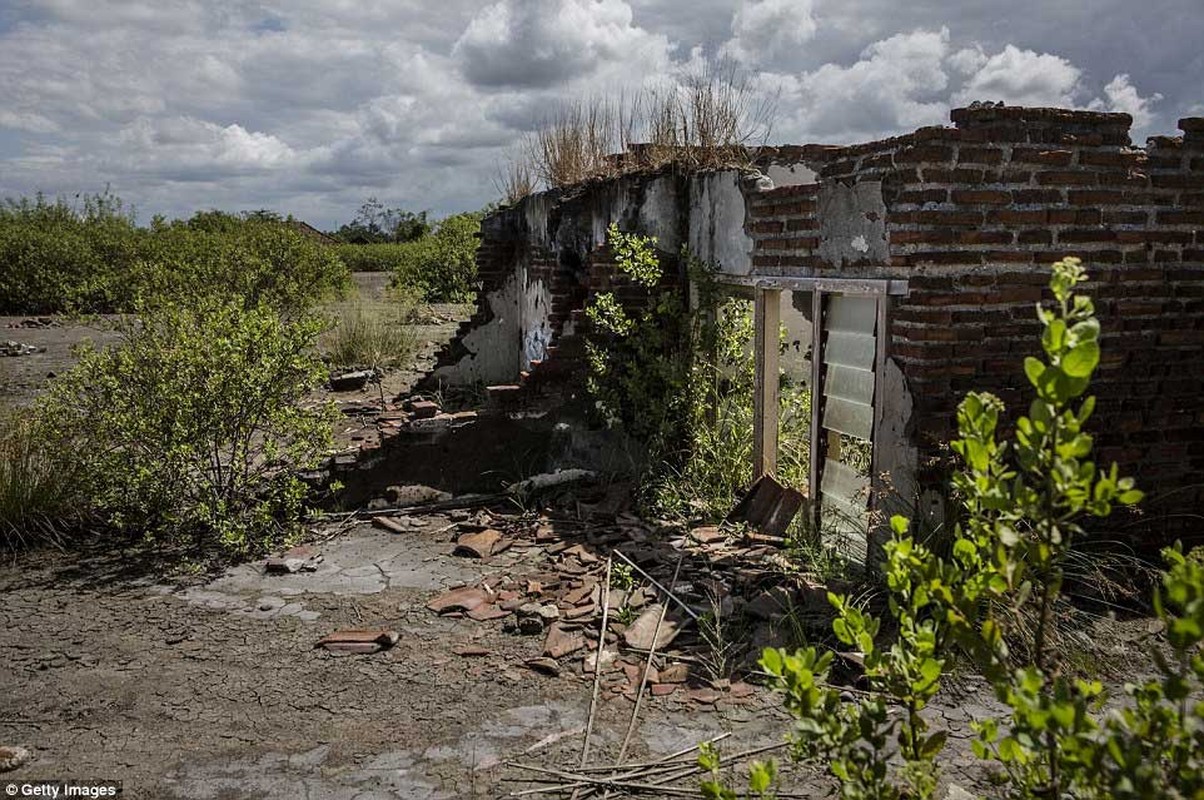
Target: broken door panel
848	365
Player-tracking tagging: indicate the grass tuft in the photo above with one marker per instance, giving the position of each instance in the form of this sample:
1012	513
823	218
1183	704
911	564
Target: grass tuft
36	486
372	334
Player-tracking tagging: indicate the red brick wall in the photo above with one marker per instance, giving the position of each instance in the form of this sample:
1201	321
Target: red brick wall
976	213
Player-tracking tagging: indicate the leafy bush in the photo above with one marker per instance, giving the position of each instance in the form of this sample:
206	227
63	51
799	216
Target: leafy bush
682	383
258	261
54	257
442	265
374	257
94	259
193	425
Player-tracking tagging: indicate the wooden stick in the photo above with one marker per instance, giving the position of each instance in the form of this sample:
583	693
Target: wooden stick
635	712
593	700
689	611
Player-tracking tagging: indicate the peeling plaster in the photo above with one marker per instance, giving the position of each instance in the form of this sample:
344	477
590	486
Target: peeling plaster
897	454
852	224
790	175
717	216
660	212
536	331
492	347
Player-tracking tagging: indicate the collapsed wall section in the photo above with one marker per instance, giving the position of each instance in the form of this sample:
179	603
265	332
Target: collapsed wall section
969	216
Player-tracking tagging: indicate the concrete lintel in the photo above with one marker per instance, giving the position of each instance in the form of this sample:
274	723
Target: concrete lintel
890	286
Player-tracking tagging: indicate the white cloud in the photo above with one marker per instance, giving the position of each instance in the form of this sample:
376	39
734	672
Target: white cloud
185	148
895	85
1123	96
1022	78
26	121
542	43
766	30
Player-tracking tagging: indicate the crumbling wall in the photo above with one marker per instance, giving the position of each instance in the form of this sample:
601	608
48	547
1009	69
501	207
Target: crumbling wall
971	217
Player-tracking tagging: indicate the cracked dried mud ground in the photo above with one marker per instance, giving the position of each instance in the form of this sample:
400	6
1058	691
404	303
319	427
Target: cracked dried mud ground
214	689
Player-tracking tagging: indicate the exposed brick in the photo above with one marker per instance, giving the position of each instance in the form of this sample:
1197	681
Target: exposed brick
979	155
1180	217
981	197
1057	158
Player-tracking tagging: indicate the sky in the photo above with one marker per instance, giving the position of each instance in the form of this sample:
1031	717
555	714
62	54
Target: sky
310	107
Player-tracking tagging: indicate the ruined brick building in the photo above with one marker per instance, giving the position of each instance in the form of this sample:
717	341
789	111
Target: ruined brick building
916	261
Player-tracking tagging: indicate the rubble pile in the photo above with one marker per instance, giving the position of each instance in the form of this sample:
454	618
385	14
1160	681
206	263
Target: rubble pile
728	587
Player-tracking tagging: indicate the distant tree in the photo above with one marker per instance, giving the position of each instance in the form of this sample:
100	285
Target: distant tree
376	224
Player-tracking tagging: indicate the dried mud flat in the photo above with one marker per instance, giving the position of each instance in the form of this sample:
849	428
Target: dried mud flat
213	688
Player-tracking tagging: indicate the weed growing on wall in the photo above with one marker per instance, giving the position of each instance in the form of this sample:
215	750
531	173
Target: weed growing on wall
682	381
1024	500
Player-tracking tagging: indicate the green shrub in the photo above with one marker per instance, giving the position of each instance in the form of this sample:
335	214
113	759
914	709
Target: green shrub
54	257
94	259
681	383
385	257
192	427
443	264
257	261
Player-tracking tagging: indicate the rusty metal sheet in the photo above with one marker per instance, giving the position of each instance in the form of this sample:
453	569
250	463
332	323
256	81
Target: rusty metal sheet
768	506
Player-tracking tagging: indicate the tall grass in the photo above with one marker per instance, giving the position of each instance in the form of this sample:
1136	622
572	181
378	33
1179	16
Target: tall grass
372	334
37	485
711	119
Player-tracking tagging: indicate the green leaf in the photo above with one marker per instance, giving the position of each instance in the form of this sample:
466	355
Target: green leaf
934	745
1082	360
1034	369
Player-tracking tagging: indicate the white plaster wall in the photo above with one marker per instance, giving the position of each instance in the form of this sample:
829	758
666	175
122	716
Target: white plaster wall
717	214
535	305
791	174
493	348
794	361
659	213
